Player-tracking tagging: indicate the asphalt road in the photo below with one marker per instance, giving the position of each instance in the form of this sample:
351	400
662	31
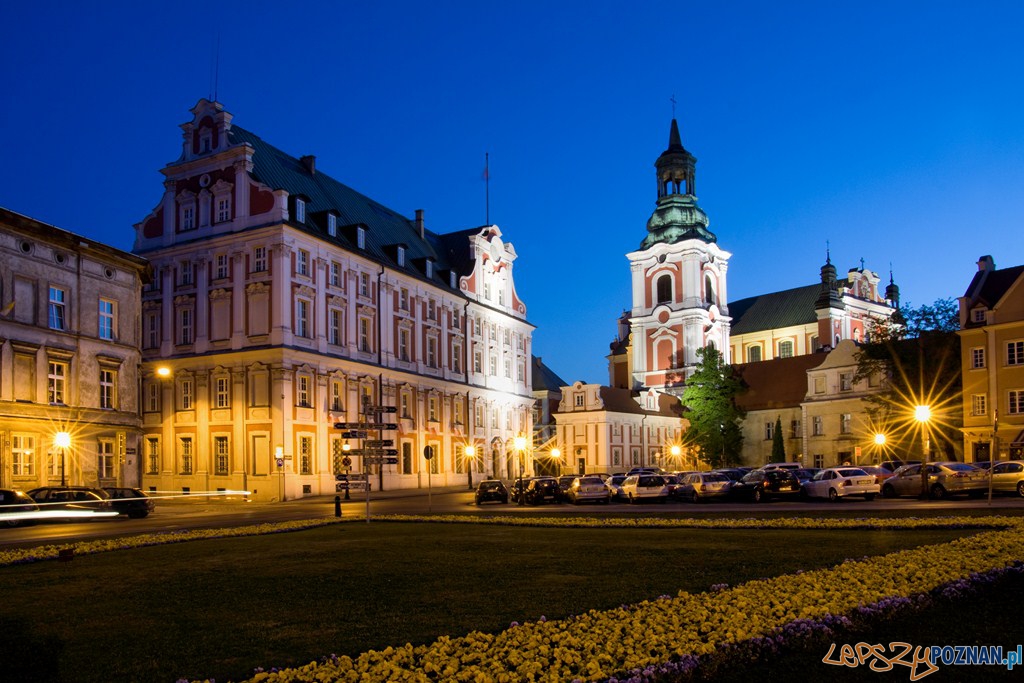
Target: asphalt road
182	514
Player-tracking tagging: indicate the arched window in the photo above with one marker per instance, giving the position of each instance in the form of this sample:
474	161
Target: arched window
754	354
709	291
664	289
785	349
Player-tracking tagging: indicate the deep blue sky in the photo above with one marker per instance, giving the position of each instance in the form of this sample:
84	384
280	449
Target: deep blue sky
894	130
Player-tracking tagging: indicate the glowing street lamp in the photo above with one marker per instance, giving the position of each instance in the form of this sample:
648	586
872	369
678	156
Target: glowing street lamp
345	448
163	372
520	445
62	440
468	453
675	450
923	415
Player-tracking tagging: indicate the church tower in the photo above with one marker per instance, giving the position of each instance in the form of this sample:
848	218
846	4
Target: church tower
678	280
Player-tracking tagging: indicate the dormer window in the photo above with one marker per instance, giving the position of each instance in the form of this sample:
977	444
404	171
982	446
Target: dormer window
978	315
401	257
205	141
361	237
223	209
430	268
332	225
300	210
451	279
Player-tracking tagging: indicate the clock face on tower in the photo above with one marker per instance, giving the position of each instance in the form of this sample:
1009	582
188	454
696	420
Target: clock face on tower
497	251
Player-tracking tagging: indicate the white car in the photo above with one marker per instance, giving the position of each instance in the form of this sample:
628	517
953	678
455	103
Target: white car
839	482
645	486
588	488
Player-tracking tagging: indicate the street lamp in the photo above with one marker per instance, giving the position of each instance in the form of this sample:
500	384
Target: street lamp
520	445
556	454
923	414
62	441
467	459
345	448
675	450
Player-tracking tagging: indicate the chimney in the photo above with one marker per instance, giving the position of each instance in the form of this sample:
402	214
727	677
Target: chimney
419	223
309	161
986	263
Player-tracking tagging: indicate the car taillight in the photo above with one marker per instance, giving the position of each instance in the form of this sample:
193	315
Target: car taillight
844	482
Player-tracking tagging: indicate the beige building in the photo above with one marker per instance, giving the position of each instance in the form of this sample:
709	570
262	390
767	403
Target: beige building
285	303
69	357
604	429
992	362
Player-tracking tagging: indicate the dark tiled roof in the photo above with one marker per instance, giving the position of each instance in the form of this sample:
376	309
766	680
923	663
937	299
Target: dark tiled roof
775	309
624	401
384	227
778	383
989	290
544	378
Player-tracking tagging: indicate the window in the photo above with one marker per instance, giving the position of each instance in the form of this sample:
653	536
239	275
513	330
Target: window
185	272
222	267
845	420
405	405
494	366
476	326
432	352
153	397
769	431
432	409
845	381
478	415
978	357
335	274
188	217
300	210
302	262
664	289
223	209
818	426
477	361
105	459
580	400
185	444
22	455
259	259
978	315
487	290
302	327
361	237
403	345
334	326
57	317
332	225
303	391
455	317
152	330
456	357
819	460
305	455
220	455
406	457
431	310
1014	353
364	284
521	372
785	349
403	299
508	368
152	455
401	257
979	404
1015	402
794	429
429	272
337	391
222	392
185	395
56	386
108	389
364	335
185	326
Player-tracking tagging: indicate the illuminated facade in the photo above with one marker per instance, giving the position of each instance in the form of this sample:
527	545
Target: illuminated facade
69	357
283	301
992	363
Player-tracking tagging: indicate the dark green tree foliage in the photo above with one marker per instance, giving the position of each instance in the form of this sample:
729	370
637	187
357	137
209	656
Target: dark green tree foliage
778	444
709	399
919	363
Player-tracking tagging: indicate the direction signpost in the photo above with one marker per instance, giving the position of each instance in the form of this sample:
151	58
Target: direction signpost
374	451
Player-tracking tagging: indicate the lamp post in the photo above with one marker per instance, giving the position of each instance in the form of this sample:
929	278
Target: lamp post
675	450
556	454
346	462
467	459
520	444
62	440
923	414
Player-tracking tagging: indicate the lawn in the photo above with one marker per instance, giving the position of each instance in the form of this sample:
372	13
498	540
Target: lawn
219	608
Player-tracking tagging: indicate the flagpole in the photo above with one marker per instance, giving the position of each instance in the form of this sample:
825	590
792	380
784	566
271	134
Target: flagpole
487	188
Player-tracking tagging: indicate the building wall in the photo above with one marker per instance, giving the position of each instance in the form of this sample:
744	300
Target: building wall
69	318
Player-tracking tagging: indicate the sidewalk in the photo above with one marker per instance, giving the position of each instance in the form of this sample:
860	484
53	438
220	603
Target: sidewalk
355	496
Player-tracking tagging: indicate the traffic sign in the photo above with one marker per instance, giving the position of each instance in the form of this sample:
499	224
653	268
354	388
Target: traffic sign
373	452
365	425
346	461
380	460
353	435
378	443
380	409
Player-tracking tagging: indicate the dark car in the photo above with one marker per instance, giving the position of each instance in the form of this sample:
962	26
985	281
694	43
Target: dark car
893	465
15	502
761	485
542	490
732	473
564	482
70	498
517	488
129	501
491	489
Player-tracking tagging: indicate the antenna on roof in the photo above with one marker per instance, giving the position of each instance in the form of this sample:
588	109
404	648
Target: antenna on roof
487	188
673	101
215	76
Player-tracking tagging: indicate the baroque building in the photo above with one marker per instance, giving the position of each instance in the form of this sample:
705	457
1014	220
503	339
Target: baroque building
69	358
284	303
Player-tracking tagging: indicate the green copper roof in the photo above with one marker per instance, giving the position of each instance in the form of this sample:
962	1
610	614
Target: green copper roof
677	218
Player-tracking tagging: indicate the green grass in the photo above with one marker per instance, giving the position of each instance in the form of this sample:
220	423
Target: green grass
219	608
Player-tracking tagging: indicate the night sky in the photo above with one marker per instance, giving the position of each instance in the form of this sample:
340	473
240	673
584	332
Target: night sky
893	131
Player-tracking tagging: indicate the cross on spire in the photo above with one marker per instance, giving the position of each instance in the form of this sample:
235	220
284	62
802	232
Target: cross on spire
673	101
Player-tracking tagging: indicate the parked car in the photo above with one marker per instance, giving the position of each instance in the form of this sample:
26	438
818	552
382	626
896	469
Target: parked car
13	502
70	498
645	470
130	501
1007	477
588	488
564	482
879	473
614	485
646	486
541	490
839	482
893	465
782	466
761	485
805	474
672	482
699	487
517	488
732	473
944	479
491	489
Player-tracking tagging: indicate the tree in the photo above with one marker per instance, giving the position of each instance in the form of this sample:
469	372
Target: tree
778	445
709	399
941	316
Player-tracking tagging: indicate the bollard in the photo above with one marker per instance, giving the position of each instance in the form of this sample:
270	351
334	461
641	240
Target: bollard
337	506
